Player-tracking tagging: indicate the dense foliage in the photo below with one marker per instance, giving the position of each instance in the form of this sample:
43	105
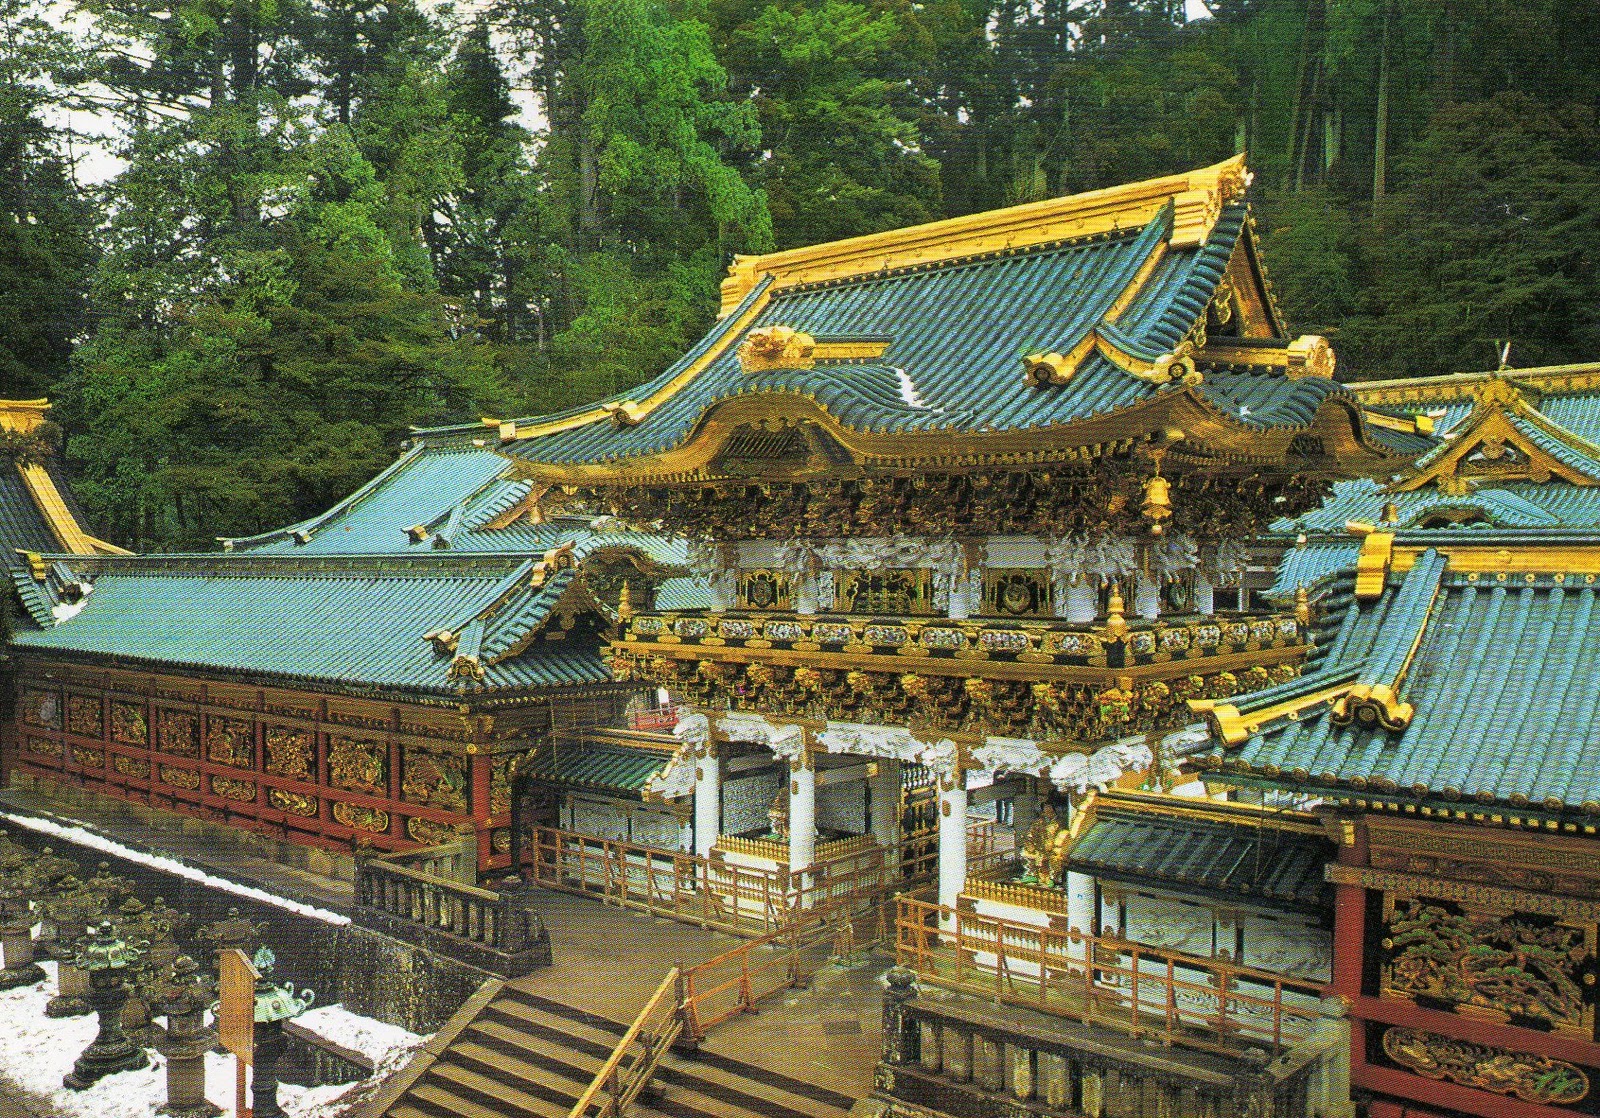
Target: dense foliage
335	219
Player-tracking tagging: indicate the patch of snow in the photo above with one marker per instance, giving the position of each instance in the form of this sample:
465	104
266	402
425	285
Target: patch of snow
908	389
66	611
82	836
37	1051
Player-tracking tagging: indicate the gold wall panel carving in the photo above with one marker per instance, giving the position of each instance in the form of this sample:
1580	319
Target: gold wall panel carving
1535	1079
1017	592
358	766
435	779
89	757
244	791
42	747
176	733
895	591
291	753
361	818
429	833
293	803
179	777
84	716
132	766
1503	965
128	724
500	840
230	742
765	588
41	708
501	772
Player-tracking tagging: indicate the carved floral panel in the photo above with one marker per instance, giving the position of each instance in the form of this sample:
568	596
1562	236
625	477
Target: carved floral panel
1519	967
43	747
429	833
89	757
83	716
359	766
291	753
175	733
294	803
179	777
1534	1079
128	724
229	788
132	766
361	818
41	708
230	741
436	779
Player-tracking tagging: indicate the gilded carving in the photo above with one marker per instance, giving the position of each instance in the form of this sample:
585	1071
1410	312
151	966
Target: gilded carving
43	747
1059	711
244	791
230	742
128	725
83	716
501	772
178	777
429	833
89	757
436	779
292	803
764	588
1017	591
1064	501
41	708
175	733
361	818
290	753
500	840
132	766
1519	965
895	590
1535	1079
359	766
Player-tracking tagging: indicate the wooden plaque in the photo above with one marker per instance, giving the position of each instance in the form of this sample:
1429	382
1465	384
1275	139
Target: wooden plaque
236	1011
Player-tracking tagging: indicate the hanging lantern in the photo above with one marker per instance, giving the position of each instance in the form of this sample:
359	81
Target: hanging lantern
1157	505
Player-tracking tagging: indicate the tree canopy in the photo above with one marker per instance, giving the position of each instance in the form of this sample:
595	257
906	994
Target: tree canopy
334	219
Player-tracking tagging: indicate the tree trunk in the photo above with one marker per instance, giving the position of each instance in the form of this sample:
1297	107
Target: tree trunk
1380	140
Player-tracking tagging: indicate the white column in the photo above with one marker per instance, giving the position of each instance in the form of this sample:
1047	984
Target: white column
707	801
952	837
883	790
1146	597
802	814
1082	604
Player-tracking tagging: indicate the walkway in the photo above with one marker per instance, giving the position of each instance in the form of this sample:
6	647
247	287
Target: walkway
607	961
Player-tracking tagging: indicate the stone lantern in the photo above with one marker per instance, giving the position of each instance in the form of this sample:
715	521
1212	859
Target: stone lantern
274	1005
16	934
185	999
105	957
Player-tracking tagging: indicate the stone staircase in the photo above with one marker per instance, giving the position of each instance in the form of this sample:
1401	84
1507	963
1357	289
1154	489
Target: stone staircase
512	1053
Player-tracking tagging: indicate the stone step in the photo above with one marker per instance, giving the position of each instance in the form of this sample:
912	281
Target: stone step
508	1096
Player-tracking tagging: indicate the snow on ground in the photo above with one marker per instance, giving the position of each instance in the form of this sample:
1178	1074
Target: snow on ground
36	1052
82	836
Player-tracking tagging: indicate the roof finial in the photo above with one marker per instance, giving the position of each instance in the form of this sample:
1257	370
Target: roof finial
625	601
1302	606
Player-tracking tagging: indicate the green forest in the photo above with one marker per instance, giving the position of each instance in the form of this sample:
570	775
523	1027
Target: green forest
335	219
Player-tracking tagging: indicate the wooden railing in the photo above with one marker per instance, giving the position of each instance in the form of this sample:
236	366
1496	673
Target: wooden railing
633	1061
747	900
489	928
1179	999
731	983
452	861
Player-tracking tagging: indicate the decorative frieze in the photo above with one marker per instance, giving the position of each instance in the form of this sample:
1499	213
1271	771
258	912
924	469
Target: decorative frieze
357	765
128	725
293	803
84	716
177	733
435	779
291	753
361	818
230	741
229	788
1531	1078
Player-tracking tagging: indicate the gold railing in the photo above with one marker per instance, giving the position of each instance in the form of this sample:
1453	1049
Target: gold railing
1178	999
626	1070
1015	893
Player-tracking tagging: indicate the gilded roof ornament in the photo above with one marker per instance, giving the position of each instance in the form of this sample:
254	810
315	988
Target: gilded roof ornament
777	347
1311	355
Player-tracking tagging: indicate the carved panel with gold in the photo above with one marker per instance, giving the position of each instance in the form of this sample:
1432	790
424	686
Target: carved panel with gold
435	779
894	590
128	724
176	733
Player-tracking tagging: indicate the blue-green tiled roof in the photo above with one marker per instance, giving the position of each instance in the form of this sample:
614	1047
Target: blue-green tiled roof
958	332
339	622
1271	865
600	767
1503	682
